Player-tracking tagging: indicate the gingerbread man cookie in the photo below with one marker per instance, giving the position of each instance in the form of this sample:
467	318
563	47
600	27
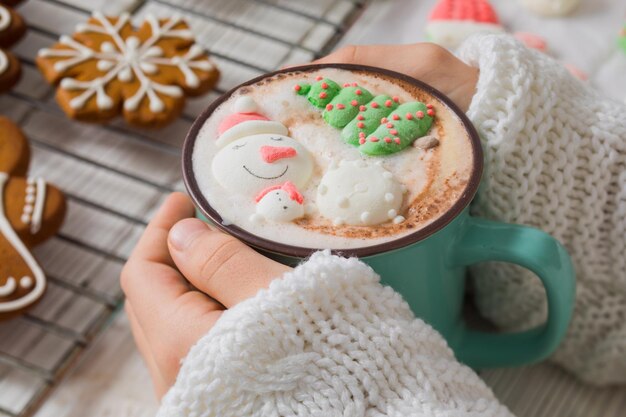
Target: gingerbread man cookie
12	28
31	211
107	67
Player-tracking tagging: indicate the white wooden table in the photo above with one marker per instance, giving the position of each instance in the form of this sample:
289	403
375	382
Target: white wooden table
116	176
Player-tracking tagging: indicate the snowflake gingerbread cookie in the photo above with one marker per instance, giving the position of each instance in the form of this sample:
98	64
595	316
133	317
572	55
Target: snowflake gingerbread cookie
107	67
31	211
12	28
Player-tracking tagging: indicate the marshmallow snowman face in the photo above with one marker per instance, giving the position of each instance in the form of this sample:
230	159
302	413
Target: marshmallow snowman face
278	206
252	163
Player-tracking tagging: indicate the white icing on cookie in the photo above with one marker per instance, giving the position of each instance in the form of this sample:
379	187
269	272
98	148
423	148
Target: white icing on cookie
34	203
8	288
360	194
4	62
7	232
5	18
240	167
26	282
126	60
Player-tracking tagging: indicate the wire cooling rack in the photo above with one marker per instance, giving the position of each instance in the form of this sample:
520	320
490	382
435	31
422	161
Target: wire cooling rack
114	175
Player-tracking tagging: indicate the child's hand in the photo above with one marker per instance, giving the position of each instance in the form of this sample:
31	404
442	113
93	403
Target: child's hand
166	313
425	61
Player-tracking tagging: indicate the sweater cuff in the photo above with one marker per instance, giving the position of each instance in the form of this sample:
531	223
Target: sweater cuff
510	77
325	340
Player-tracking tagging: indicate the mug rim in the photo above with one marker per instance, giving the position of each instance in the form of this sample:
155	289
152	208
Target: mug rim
284	249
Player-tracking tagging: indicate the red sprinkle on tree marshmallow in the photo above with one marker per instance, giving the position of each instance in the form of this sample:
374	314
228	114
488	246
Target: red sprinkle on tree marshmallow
323	94
397	140
430	112
429	106
388	140
388	103
358	92
297	87
393	132
362	140
395	117
383	120
354	103
346	84
324	86
374	105
360	125
389	125
340	106
396	98
409	116
419	114
362	108
329	107
360	117
319	78
374	139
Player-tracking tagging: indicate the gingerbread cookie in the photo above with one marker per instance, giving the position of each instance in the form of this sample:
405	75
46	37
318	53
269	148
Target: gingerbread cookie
107	67
12	28
31	211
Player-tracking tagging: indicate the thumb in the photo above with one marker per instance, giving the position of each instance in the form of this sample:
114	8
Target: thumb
218	264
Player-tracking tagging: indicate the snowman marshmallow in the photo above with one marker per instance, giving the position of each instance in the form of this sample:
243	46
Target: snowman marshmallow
281	203
258	154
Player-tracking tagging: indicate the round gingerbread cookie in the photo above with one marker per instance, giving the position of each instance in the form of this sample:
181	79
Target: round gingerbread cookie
107	67
12	28
31	211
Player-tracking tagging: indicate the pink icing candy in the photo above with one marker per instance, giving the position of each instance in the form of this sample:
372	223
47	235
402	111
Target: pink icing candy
236	118
274	153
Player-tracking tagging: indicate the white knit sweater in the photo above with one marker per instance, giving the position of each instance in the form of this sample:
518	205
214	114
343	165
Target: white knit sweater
555	159
326	340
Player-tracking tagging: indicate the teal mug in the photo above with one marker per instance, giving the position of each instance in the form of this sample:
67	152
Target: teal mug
429	266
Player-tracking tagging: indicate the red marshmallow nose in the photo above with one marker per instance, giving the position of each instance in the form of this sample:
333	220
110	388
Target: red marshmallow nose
274	153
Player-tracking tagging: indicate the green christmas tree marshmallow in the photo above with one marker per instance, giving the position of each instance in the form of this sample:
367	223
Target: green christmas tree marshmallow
345	106
368	118
398	130
377	125
321	93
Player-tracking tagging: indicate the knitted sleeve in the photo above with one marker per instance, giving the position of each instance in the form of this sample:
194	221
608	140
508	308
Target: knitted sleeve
555	158
326	340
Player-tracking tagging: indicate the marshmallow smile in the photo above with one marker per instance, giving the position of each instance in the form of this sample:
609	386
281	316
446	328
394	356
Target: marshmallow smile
266	178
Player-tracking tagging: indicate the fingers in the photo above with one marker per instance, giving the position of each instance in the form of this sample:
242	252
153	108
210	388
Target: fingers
356	54
148	278
153	243
218	264
160	386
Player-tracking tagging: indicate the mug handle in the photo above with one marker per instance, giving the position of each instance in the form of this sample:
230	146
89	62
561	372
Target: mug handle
537	251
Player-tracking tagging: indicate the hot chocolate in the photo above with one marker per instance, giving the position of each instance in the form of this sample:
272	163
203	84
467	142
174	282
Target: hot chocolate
331	158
